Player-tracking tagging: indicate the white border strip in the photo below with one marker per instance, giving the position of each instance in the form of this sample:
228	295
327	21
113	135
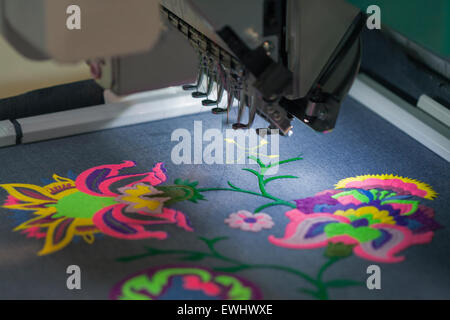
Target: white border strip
434	109
143	107
411	120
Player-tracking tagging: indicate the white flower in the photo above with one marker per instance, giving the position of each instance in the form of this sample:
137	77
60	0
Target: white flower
248	221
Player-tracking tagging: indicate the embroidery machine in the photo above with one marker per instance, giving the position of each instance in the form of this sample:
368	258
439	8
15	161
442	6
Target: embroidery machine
178	60
278	58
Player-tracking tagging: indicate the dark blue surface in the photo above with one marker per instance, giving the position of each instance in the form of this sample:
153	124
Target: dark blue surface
362	143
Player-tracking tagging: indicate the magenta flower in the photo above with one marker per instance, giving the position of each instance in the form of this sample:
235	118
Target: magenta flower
118	220
100	199
375	221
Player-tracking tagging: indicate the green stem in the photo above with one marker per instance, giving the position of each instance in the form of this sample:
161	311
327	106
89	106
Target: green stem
261	183
266	181
283	161
159	252
321	287
230	189
325	266
267	205
322	292
216	255
262	188
298	273
266	195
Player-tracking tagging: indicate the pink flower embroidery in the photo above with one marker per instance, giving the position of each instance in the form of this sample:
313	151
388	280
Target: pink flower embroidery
102	199
375	220
192	282
248	221
116	220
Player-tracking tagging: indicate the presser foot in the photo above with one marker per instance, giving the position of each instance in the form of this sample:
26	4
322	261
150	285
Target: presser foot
219	110
198	94
237	126
189	87
208	103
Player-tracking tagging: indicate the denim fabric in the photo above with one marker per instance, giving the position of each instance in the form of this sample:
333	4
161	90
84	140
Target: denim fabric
362	143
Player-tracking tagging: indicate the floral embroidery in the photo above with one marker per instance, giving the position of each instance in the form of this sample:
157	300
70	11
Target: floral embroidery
252	151
248	221
398	184
372	216
137	198
183	282
379	219
99	200
317	285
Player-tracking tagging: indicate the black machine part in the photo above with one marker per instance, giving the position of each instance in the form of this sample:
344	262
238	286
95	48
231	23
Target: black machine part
320	107
291	66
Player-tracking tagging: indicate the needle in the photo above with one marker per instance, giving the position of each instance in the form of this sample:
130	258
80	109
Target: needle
189	87
203	71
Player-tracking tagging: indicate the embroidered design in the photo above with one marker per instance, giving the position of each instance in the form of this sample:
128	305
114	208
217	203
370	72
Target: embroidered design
140	197
184	282
377	220
182	190
398	184
99	200
248	221
378	216
319	285
373	216
252	151
263	181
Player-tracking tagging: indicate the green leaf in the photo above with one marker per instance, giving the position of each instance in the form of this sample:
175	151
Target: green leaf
284	161
340	283
148	253
309	292
153	251
231	269
267	205
233	186
256	173
212	240
258	161
279	177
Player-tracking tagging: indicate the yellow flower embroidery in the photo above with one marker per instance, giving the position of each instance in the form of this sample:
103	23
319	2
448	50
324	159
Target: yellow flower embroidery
134	197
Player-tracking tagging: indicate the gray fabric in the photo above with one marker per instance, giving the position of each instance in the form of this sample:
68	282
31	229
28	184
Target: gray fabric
362	143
